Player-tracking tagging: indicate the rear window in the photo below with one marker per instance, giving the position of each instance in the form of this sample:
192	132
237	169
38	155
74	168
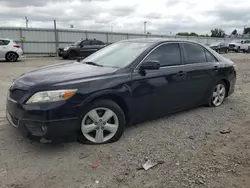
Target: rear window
4	42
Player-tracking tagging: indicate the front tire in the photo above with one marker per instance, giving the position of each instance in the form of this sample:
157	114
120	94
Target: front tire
102	122
72	55
11	57
217	95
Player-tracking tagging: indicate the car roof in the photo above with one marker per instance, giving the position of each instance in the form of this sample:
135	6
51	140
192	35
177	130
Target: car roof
157	40
4	39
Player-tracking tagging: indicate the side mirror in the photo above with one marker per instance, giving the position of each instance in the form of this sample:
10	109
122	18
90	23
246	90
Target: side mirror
150	65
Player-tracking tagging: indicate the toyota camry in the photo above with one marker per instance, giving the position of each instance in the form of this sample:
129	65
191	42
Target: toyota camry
126	82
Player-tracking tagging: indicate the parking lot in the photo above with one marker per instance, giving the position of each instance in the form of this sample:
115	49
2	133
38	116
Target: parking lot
190	143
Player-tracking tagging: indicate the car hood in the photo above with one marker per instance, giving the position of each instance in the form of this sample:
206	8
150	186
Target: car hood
236	43
214	46
64	72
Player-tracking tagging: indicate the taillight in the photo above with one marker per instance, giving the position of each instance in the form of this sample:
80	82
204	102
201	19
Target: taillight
16	46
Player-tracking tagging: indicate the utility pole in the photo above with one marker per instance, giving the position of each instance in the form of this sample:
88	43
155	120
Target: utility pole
145	28
27	22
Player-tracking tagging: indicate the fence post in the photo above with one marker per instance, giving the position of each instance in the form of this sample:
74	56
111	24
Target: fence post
127	36
21	38
56	36
86	34
107	38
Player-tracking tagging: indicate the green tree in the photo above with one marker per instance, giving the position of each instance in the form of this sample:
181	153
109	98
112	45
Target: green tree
206	35
246	30
193	34
183	34
217	33
234	32
187	34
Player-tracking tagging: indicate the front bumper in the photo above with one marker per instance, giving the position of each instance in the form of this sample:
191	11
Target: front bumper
60	53
43	123
65	54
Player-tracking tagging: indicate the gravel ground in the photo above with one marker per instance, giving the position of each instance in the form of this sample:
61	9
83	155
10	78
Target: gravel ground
194	152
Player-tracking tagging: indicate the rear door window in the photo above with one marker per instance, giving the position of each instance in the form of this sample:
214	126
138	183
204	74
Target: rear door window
86	42
194	53
4	42
210	57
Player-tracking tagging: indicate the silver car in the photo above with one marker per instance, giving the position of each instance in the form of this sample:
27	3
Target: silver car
10	50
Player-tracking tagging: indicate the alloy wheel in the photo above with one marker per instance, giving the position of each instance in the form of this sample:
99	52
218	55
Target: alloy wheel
99	125
219	94
12	57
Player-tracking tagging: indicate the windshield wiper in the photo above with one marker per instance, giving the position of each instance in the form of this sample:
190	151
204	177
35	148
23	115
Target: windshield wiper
93	63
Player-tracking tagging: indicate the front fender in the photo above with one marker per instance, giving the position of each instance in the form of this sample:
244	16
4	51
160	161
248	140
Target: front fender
124	93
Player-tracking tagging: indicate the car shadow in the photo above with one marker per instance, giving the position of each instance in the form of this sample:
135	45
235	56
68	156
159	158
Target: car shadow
4	61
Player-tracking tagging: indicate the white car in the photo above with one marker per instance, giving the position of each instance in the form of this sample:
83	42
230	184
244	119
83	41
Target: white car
10	50
245	45
234	46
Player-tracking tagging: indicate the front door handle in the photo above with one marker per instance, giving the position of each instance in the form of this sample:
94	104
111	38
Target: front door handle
181	73
216	68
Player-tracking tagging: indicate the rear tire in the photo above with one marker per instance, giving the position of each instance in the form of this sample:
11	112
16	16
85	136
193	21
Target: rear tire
11	57
111	126
218	94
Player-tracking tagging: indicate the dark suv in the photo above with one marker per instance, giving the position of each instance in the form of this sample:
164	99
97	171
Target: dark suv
81	48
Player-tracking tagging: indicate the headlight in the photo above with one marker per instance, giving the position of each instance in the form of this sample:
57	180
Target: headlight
66	48
51	96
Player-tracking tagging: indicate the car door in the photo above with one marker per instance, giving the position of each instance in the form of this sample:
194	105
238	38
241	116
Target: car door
158	92
85	48
202	69
96	45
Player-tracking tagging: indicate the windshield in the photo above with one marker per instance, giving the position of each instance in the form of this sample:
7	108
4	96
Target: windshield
118	54
77	43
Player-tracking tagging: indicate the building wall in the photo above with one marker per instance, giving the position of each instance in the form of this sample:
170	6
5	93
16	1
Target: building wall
45	41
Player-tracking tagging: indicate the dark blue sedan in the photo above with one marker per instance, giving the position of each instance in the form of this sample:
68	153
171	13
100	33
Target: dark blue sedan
126	82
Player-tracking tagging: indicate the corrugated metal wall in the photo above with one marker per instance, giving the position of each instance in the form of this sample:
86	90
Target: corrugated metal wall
43	41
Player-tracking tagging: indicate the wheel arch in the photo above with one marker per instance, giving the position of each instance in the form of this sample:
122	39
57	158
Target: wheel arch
227	84
75	51
11	52
115	98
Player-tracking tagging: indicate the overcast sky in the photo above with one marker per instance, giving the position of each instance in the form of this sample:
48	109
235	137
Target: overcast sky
162	16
